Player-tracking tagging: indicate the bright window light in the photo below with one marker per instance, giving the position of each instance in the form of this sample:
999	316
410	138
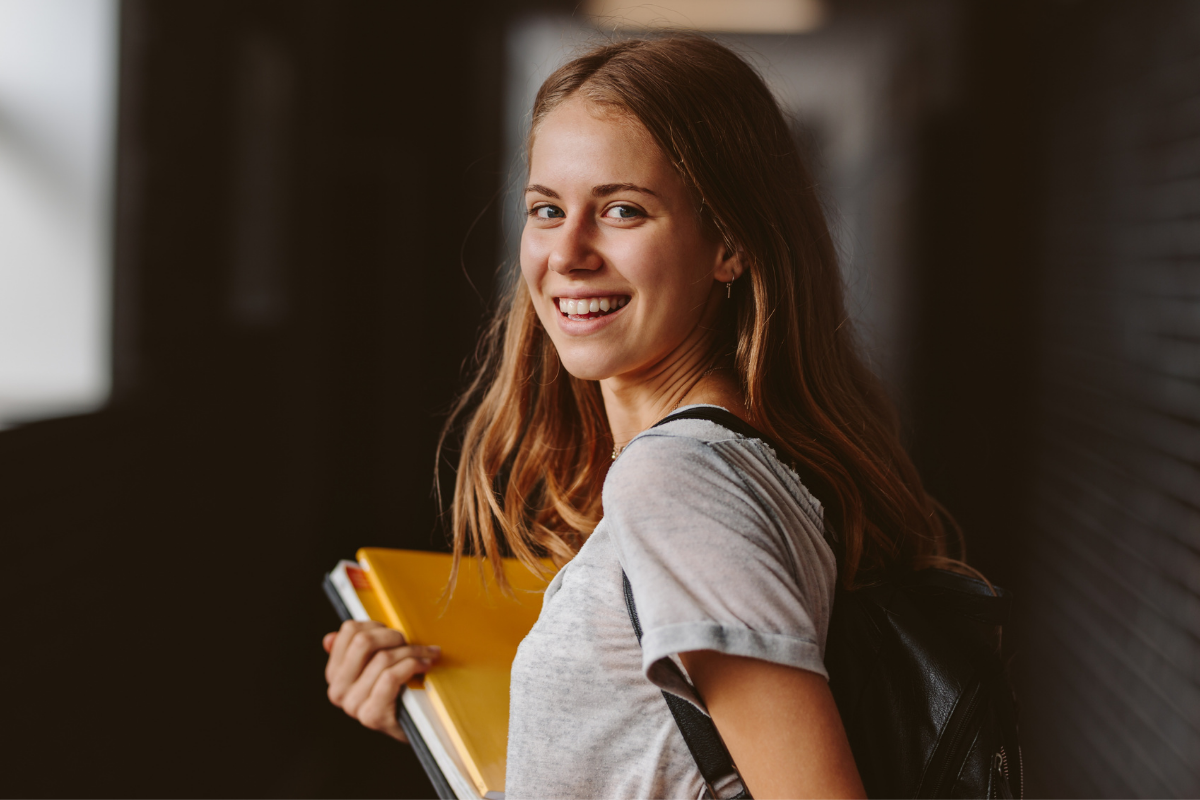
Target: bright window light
724	16
57	118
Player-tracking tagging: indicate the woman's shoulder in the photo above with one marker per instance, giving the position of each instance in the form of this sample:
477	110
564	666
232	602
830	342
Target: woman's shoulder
711	523
684	449
699	457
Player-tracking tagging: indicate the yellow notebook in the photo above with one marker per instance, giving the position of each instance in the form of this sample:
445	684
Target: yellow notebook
478	630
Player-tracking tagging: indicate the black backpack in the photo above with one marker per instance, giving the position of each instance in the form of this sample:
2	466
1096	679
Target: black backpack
915	670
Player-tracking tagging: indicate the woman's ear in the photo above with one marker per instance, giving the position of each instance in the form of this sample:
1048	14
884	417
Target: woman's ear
729	267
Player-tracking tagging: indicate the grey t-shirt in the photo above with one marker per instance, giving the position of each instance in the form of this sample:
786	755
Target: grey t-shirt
724	551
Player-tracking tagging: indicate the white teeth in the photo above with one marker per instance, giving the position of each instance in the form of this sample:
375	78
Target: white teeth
591	305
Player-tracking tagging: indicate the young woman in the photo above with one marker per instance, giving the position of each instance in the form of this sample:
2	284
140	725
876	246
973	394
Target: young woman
675	255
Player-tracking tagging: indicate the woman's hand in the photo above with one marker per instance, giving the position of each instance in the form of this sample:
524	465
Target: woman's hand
780	724
368	667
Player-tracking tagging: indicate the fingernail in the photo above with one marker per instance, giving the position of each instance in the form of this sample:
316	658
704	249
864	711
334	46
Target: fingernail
434	651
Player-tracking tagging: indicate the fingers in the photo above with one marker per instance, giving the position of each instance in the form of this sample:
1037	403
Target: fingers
383	660
354	645
367	668
378	711
372	698
349	628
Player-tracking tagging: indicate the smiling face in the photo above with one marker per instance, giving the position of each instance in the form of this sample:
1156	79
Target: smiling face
621	274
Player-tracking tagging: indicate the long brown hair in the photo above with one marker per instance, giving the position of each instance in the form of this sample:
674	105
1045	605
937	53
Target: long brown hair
536	446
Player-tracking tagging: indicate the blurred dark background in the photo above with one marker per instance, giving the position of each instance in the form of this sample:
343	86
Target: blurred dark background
308	227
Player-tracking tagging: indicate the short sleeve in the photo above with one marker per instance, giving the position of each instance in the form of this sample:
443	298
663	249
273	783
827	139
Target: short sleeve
720	553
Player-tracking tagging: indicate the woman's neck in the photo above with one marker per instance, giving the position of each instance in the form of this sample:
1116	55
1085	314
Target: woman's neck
633	405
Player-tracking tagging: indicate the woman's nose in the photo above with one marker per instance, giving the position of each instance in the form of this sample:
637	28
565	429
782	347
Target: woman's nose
574	248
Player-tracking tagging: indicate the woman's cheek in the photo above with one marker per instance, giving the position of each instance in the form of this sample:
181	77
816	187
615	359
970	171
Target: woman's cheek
529	273
532	259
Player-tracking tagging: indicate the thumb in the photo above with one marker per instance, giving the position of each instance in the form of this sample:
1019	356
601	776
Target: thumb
327	642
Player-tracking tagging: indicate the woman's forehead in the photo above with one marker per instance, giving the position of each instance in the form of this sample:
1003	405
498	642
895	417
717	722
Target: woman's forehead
583	138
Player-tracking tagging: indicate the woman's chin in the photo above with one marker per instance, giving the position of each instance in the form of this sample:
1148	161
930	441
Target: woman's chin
585	374
588	369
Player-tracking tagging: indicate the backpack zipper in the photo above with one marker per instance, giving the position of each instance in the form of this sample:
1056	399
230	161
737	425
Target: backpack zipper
1021	767
1020	770
999	785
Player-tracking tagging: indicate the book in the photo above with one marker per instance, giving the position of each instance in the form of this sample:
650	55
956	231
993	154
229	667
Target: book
456	716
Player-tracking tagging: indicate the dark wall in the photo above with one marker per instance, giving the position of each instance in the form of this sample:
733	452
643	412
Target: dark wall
297	186
1113	656
1058	390
975	258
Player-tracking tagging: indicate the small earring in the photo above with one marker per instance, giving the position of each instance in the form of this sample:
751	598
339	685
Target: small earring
729	290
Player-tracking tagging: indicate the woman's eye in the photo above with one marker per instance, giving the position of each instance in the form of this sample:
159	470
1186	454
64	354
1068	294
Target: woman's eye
623	212
546	212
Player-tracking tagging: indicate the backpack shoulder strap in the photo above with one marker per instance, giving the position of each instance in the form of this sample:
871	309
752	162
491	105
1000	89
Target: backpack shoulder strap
726	419
699	732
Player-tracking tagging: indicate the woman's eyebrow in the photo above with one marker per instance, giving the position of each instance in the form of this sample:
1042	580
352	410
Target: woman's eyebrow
605	189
